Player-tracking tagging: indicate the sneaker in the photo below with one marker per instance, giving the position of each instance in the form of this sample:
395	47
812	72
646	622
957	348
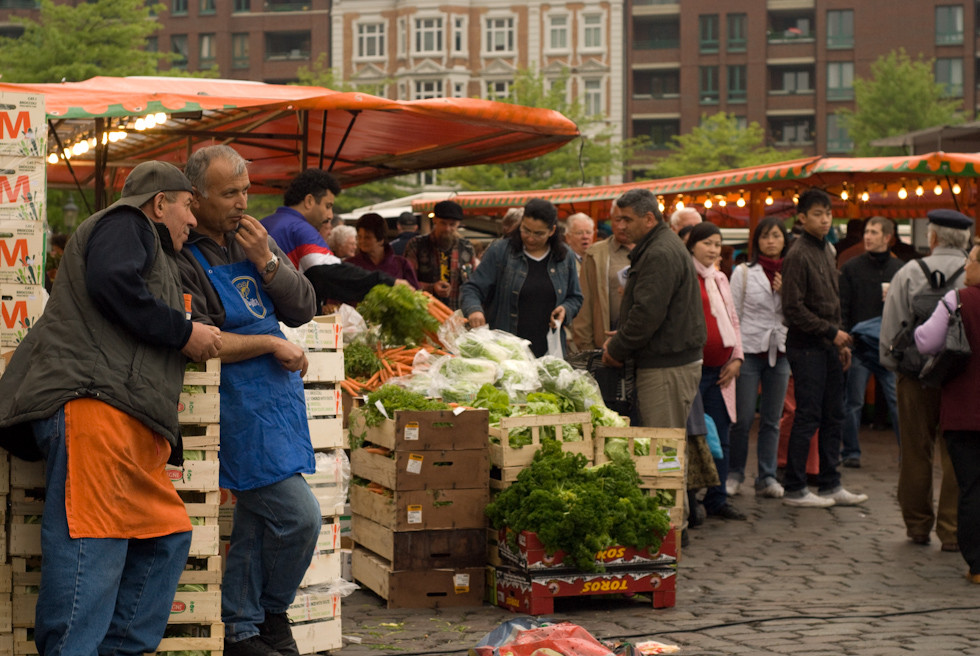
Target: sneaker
254	646
728	511
808	500
844	498
277	634
853	463
731	486
772	491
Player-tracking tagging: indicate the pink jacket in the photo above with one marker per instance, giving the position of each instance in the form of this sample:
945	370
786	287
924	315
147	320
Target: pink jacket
728	391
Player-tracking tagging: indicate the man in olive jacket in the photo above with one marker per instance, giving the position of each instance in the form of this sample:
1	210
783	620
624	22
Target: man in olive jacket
661	325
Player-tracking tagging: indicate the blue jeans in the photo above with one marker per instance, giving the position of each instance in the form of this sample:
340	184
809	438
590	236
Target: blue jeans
819	384
98	595
774	381
857	383
272	544
714	407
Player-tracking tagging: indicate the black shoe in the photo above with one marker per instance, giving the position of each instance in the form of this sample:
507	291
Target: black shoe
853	463
697	515
277	634
685	539
728	511
254	646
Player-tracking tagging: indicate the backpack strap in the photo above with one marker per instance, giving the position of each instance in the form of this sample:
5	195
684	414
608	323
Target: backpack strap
937	279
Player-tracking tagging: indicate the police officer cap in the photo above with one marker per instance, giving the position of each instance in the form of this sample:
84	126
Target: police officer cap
950	219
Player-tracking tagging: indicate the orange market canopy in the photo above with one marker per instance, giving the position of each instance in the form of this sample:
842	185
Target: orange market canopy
281	129
717	194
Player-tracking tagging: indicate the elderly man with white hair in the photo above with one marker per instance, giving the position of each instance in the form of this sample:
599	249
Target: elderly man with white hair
579	234
682	218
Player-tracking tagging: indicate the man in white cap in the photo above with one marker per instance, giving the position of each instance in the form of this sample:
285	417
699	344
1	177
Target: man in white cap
918	405
93	388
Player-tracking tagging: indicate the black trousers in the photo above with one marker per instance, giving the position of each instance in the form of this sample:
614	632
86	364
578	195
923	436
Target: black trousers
964	451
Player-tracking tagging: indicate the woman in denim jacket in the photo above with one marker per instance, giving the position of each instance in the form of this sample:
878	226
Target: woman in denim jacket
526	284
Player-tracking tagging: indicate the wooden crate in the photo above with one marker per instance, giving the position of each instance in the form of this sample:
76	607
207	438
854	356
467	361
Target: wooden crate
666	458
317	637
211	376
313	607
325	568
419	550
419	510
434	588
507	461
424	430
324	367
4	472
24	538
25	474
207	636
653	484
199	408
418	470
323	401
327	433
323	333
25	581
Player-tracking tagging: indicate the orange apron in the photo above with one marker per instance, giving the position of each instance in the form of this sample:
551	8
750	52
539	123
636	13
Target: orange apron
116	485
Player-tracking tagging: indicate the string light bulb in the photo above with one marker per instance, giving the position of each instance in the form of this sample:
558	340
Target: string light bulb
722	202
865	195
843	192
919	190
741	200
769	199
53	158
903	193
707	203
680	204
956	189
938	189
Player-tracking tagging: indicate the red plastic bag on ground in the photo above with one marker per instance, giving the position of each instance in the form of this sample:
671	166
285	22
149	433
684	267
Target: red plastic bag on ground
514	638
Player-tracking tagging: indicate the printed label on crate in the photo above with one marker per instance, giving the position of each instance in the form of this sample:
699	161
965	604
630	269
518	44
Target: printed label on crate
461	583
23	130
415	514
322	402
669	463
20	308
22	189
412	431
22	245
414	465
532	556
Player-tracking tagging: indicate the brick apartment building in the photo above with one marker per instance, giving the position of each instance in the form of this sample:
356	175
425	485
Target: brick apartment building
653	66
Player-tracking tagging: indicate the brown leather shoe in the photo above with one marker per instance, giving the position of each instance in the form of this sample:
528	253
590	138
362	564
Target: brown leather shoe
918	538
952	547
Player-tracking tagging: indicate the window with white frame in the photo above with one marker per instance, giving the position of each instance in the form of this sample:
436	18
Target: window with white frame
402	29
427	89
371	41
592	32
459	89
498	89
428	35
594	105
500	35
459	35
558	32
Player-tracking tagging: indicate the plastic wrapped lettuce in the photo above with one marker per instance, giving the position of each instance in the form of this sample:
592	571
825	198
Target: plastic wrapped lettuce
495	345
544	403
559	377
494	400
518	378
458	379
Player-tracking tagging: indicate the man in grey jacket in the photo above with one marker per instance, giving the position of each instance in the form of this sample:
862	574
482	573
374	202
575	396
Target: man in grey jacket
918	406
661	326
94	389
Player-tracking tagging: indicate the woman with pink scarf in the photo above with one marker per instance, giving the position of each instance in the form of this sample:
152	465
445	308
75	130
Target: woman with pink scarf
723	356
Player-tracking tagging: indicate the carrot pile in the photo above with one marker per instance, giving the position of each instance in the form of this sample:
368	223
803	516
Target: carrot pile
395	362
439	310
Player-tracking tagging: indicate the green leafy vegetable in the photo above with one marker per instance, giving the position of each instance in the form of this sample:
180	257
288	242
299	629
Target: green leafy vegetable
578	509
393	398
360	361
400	311
494	400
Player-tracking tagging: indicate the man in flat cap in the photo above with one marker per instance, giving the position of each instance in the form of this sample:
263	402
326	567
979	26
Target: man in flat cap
93	388
408	229
918	406
442	259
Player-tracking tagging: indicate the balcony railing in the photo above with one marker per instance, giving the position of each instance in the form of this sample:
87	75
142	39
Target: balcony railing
838	93
791	35
657	44
840	42
949	38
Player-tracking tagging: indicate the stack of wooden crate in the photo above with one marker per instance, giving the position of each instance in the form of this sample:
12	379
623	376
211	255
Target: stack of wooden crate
6	581
419	529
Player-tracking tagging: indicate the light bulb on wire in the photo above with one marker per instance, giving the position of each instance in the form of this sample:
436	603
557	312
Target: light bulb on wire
956	189
903	193
708	203
938	189
769	199
865	195
919	190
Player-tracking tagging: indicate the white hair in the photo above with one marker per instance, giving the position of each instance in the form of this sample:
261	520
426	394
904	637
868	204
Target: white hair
339	235
679	215
579	216
949	237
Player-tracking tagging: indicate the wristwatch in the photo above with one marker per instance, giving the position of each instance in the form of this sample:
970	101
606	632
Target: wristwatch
271	265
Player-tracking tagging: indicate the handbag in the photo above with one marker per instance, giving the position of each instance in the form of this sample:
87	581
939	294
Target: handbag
951	361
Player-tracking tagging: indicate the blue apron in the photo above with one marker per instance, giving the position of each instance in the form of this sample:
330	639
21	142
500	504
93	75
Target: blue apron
265	435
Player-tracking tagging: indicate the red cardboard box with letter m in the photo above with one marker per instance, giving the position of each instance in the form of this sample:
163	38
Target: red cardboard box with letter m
23	130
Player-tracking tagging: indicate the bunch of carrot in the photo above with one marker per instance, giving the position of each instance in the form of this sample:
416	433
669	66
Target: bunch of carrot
439	310
395	362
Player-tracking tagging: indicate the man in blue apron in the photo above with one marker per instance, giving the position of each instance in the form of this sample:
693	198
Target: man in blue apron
241	282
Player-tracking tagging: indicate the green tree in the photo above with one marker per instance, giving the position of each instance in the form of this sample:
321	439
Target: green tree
719	144
321	75
588	159
74	43
901	96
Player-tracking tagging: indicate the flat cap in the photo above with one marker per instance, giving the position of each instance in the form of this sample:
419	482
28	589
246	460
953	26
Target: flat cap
950	219
148	179
447	209
407	219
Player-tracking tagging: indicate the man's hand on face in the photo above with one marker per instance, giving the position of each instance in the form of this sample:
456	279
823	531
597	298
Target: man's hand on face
254	240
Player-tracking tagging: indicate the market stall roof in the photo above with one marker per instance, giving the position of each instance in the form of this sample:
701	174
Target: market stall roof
880	177
964	137
283	129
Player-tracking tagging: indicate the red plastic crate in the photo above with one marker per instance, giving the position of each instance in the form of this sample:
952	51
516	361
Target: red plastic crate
533	557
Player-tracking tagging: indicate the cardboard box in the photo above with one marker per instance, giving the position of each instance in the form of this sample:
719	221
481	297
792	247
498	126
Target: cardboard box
453	548
532	557
22	190
535	595
438	588
431	429
421	510
418	470
504	456
324	367
20	308
666	453
23	129
23	247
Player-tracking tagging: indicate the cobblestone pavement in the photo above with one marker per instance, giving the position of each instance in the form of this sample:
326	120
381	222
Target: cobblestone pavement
820	582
